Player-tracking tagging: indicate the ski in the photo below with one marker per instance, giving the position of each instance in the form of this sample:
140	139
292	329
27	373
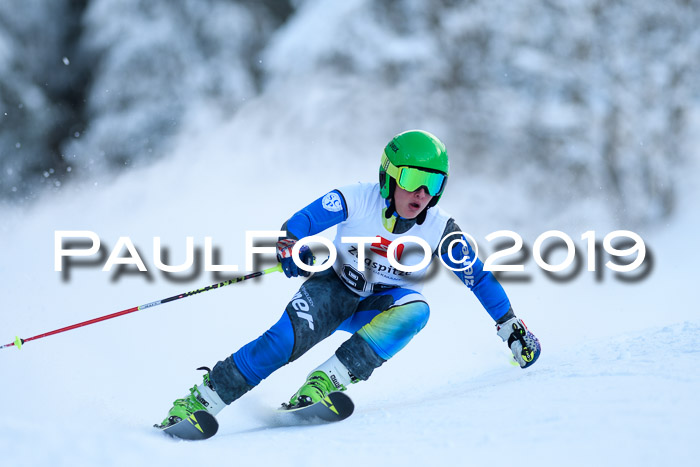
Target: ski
335	407
199	425
203	425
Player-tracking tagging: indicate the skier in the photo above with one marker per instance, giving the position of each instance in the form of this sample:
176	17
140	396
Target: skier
380	305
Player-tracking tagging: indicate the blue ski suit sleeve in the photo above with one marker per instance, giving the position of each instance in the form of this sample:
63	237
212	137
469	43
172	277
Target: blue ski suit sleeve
487	289
327	211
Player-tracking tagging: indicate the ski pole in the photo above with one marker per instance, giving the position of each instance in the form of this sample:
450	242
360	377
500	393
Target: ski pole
18	342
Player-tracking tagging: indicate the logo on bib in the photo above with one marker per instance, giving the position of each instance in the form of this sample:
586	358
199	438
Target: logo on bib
331	202
381	248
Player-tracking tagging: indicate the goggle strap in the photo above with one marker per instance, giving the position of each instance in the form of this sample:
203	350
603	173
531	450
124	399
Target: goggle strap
390	168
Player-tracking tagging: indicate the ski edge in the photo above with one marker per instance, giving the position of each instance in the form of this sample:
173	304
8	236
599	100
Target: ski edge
335	407
200	425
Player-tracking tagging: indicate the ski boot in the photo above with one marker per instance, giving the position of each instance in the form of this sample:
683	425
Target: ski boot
331	376
202	397
317	386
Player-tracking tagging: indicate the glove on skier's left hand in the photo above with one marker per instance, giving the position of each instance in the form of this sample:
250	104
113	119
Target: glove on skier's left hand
523	343
284	256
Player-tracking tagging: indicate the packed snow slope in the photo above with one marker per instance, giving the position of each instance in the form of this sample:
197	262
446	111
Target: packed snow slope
616	383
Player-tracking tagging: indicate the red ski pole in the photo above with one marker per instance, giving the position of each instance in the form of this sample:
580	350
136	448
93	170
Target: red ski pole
18	342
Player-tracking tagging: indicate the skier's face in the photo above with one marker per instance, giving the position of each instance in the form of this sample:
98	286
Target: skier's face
411	203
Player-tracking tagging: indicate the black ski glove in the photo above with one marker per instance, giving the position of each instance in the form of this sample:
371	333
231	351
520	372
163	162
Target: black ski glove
284	256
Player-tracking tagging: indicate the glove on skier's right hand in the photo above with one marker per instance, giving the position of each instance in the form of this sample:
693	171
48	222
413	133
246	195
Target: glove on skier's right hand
524	345
284	256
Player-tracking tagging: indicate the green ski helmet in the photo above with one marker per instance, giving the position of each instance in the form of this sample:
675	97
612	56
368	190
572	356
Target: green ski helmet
413	159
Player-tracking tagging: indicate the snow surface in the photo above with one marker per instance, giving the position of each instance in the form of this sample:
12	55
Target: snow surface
616	383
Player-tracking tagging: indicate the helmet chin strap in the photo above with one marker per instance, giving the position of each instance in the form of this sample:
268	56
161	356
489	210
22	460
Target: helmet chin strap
421	217
390	209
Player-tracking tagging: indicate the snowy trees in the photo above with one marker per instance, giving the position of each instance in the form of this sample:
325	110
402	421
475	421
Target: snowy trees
155	60
97	85
39	94
580	98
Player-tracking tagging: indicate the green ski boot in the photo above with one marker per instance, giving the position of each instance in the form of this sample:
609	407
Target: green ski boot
317	386
202	397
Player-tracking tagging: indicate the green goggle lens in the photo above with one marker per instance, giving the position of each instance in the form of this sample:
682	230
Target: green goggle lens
411	178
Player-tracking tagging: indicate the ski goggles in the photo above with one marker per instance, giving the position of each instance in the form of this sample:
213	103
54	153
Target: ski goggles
412	178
